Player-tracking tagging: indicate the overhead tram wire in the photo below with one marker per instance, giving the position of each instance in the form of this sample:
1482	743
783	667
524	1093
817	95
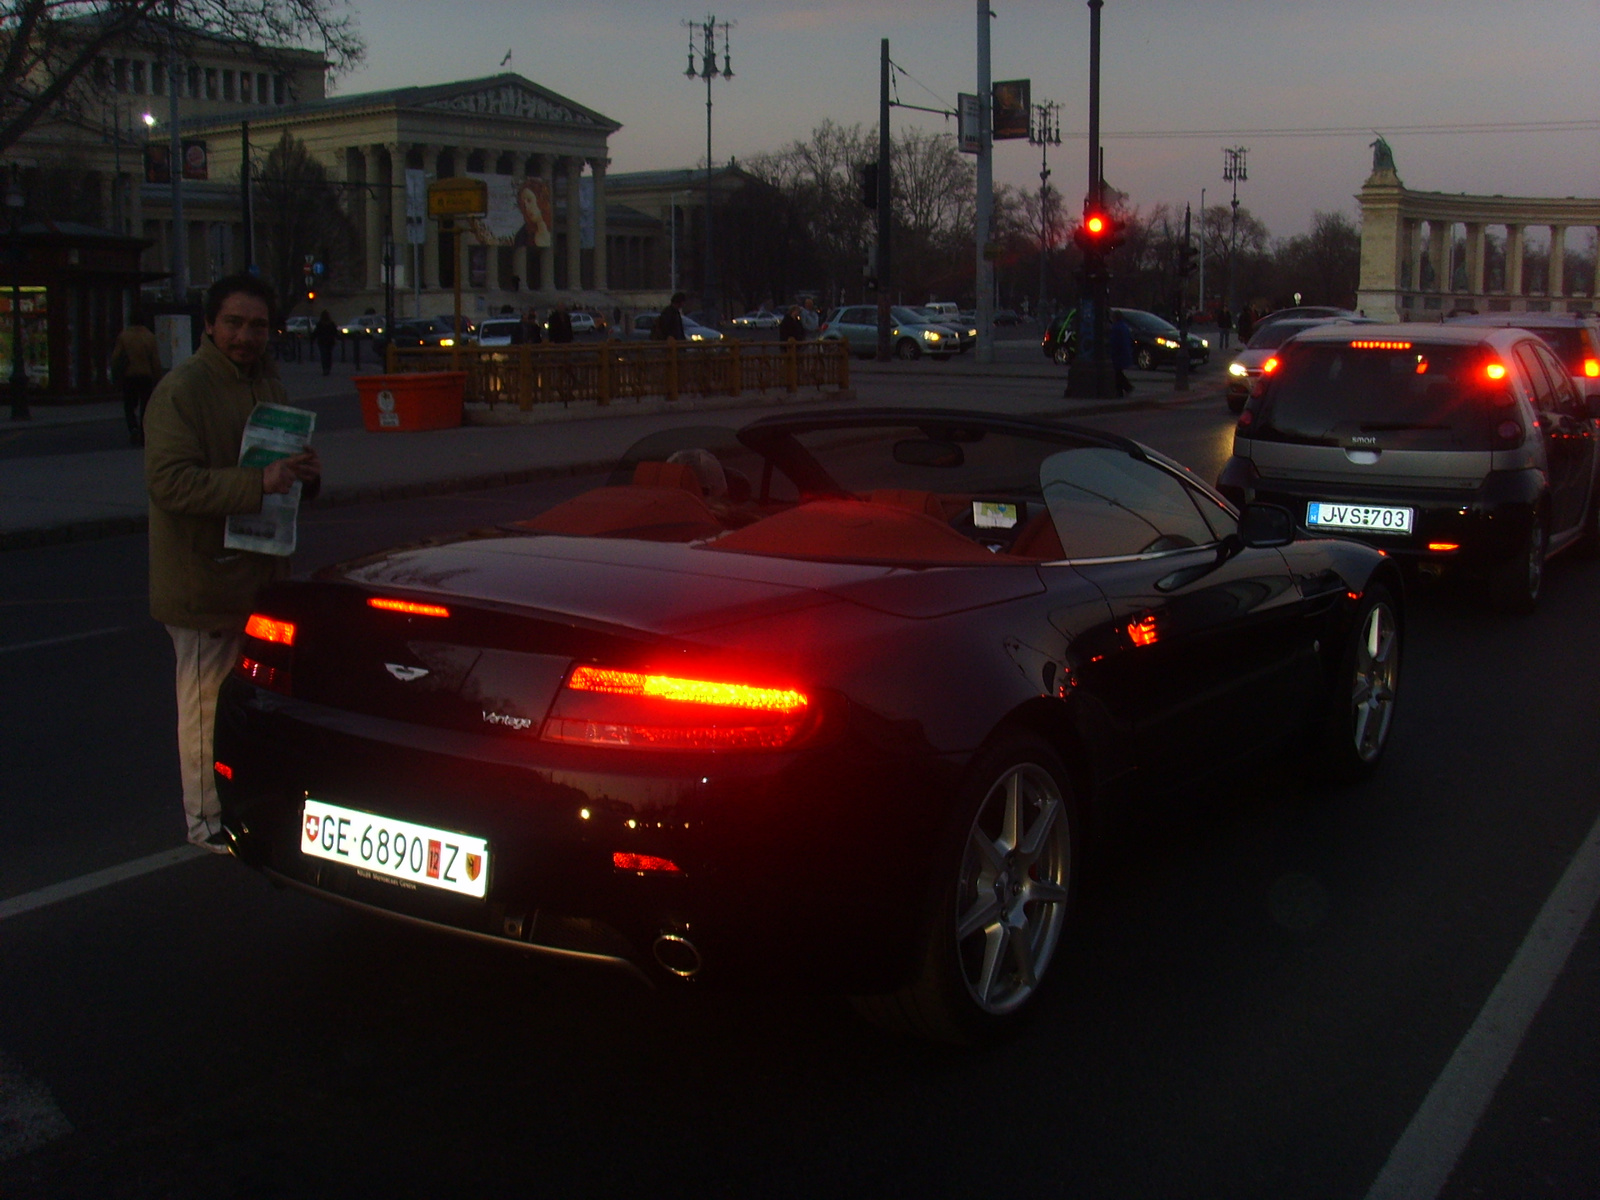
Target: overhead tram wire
896	102
1586	125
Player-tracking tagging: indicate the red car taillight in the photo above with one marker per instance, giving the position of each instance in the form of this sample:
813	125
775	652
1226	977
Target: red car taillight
637	710
264	656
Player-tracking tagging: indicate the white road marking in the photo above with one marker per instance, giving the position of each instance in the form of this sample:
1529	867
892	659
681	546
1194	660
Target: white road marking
28	1114
70	637
95	880
1420	1164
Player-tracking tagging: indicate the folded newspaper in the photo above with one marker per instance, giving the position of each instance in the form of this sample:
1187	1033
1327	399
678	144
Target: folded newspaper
274	431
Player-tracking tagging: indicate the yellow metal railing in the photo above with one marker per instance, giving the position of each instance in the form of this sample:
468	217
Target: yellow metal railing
600	372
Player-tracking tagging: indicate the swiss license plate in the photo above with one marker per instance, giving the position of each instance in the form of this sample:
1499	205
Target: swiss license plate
396	850
1368	518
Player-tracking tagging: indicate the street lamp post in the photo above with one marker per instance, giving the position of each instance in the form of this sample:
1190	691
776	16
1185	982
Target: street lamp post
709	71
19	366
1233	170
1045	132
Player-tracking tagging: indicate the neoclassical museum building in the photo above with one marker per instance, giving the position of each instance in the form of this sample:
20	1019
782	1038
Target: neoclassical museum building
559	226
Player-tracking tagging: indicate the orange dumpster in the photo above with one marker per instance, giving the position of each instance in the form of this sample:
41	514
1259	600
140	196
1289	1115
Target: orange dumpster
406	403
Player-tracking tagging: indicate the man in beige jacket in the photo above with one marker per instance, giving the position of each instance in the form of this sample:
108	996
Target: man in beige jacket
201	591
136	364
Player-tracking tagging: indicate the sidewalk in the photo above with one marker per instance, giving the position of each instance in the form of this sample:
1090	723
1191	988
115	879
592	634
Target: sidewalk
74	497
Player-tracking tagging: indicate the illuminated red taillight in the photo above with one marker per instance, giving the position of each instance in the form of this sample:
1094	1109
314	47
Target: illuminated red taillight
1495	371
267	629
1143	632
409	607
274	679
1443	547
1271	365
1380	345
639	710
1591	368
624	861
223	769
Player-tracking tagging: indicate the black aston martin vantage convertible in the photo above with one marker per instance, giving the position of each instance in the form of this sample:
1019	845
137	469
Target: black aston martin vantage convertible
827	700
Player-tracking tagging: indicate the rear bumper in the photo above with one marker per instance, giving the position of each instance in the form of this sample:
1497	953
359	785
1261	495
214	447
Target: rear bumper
787	872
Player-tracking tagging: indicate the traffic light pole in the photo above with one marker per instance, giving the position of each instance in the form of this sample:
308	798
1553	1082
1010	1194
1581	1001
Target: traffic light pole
884	275
1091	375
1185	266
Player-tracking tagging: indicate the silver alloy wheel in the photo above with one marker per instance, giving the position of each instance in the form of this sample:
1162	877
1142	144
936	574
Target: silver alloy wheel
1372	687
1013	890
1144	360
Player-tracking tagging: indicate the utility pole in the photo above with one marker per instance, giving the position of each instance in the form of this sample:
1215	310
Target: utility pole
1044	133
180	231
985	271
247	199
709	71
1233	171
1202	305
884	272
1090	375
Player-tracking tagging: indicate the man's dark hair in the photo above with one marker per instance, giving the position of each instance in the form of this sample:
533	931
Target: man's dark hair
678	297
229	285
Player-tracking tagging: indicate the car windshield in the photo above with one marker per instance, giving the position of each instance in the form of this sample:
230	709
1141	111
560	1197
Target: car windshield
1146	322
1413	395
943	489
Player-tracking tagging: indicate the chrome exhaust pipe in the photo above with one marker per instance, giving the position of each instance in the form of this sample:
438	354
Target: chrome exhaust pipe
677	954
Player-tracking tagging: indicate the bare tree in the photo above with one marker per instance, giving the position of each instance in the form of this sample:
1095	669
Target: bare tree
303	215
48	46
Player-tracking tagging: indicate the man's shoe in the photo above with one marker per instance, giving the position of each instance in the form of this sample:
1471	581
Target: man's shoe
218	843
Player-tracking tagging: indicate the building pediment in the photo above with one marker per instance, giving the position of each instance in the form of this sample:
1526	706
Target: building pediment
518	100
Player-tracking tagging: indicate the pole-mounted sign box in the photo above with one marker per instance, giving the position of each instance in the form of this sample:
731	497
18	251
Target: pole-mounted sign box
1012	108
459	197
967	118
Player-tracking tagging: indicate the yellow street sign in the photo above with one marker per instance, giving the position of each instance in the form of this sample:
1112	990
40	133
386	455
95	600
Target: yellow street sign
460	197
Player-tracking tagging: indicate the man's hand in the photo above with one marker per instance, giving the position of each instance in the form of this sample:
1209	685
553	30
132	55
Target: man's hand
278	477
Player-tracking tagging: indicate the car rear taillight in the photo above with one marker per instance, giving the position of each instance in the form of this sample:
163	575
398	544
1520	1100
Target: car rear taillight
637	710
409	607
265	653
1591	368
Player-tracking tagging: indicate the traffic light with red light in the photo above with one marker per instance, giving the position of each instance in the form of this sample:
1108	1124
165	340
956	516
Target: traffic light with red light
1093	233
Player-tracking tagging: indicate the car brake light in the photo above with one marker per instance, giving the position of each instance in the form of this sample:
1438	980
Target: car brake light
622	860
1591	368
410	608
1495	371
600	706
1271	365
267	629
1380	345
223	769
1444	547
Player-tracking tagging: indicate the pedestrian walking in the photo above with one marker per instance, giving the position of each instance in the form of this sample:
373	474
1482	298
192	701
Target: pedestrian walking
1120	340
532	334
1246	324
326	336
809	317
1224	326
202	592
135	365
560	324
670	323
792	328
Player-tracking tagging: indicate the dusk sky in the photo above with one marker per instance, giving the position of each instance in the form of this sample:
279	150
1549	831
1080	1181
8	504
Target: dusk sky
1200	75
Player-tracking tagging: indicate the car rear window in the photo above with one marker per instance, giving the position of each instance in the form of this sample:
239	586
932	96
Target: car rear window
1418	397
1568	343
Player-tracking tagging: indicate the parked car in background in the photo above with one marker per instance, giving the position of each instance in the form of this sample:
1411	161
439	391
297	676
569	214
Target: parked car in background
299	326
1245	368
693	331
500	331
966	332
1007	316
1452	448
429	331
760	319
366	325
1060	341
1155	340
1575	337
910	336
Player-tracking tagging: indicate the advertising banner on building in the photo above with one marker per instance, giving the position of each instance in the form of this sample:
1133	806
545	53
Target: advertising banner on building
1012	107
521	212
158	161
416	206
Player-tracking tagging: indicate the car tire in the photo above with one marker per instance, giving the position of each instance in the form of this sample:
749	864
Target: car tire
907	350
1360	711
1514	585
1003	893
1062	356
1143	359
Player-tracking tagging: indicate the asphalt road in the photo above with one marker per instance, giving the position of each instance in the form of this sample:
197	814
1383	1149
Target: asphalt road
1264	984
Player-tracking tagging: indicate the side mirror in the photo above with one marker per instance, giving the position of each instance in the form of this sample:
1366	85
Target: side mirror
1265	525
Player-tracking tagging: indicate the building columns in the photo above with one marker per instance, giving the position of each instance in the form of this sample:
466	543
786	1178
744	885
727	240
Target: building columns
574	225
1555	281
1513	260
1475	259
602	273
547	254
372	211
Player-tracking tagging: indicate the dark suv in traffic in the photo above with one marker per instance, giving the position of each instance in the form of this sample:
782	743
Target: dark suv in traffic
1450	447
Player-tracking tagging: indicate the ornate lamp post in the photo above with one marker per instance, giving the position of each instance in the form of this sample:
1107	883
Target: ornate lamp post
15	201
709	71
1233	170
